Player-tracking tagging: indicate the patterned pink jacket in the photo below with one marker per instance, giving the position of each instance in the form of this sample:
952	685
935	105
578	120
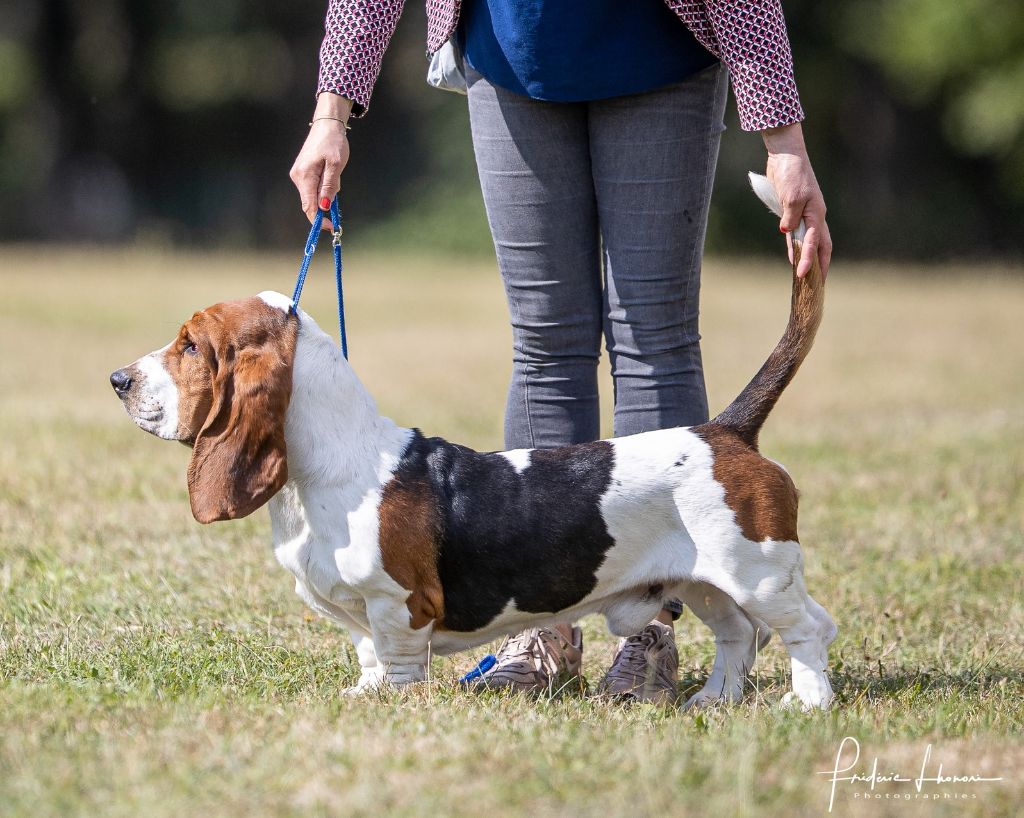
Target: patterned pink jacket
749	36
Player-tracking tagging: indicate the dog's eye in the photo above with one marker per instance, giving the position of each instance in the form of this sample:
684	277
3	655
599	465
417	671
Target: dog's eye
190	348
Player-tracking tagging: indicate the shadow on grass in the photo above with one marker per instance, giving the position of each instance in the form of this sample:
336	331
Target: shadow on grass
859	685
901	683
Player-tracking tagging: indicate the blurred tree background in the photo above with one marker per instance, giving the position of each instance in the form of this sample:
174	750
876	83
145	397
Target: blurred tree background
175	122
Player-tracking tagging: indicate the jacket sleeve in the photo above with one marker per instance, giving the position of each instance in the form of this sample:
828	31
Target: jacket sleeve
750	37
356	35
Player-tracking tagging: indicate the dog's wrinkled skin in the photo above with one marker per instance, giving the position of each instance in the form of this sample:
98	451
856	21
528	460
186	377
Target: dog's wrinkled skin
413	543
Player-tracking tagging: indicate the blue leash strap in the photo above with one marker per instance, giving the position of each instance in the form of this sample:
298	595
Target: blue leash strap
480	670
336	241
307	257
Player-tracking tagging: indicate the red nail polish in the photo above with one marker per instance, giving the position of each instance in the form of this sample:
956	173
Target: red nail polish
783	230
325	203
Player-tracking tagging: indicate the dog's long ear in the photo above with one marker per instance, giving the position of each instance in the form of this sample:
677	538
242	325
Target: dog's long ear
239	460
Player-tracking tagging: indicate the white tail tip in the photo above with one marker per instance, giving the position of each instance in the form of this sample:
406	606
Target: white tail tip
766	193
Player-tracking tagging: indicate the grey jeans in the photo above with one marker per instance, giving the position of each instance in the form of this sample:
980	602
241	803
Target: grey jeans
598	212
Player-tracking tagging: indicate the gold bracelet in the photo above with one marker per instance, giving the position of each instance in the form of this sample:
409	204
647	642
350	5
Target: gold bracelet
336	119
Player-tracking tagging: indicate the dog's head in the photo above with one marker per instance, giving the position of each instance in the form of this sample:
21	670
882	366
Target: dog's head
222	386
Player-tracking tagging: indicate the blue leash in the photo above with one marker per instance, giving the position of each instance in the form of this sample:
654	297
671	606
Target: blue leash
480	670
311	242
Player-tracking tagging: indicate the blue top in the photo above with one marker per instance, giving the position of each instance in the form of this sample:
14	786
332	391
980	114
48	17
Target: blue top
575	51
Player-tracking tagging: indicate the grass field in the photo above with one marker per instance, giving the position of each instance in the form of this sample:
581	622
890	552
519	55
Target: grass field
153	667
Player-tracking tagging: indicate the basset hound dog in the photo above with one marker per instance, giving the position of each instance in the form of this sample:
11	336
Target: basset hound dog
415	544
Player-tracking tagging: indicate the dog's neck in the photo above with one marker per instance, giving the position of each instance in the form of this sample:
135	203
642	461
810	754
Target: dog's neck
341	453
333	431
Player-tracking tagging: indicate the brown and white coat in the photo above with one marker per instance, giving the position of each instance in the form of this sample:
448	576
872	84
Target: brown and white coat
416	544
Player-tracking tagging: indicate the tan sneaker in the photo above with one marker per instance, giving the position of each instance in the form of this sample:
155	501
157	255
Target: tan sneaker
536	660
646	667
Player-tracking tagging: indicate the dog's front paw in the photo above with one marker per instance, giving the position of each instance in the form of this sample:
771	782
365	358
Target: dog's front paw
808	700
369	681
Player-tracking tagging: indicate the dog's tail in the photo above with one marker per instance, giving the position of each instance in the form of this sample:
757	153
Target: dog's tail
747	414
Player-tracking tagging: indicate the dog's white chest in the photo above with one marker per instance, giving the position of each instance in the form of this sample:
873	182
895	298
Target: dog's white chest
327	544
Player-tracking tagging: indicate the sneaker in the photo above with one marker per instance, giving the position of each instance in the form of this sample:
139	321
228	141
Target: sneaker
645	668
536	660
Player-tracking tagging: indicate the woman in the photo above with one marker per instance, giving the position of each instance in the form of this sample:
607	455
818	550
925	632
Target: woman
595	127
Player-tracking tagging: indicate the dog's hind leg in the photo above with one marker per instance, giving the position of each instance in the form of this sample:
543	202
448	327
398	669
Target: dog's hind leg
810	659
738	638
828	626
806	630
807	642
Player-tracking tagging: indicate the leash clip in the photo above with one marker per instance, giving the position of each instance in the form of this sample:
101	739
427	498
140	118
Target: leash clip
307	257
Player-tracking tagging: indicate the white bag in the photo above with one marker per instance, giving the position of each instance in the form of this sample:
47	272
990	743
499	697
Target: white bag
447	70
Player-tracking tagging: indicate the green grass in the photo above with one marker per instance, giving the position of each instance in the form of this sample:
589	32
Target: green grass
151	666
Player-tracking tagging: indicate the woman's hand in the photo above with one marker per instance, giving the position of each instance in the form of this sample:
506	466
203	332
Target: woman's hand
789	171
317	169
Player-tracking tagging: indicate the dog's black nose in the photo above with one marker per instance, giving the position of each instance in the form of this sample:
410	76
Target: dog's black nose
121	381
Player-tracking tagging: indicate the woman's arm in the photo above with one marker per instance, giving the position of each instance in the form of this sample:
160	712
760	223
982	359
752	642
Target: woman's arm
750	37
356	34
317	169
790	172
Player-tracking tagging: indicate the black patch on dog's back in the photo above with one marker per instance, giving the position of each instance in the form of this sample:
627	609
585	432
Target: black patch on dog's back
535	537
